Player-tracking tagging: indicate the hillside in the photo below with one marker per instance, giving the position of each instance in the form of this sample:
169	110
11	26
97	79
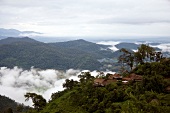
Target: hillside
149	95
127	46
10	104
78	54
11	40
26	52
14	32
97	50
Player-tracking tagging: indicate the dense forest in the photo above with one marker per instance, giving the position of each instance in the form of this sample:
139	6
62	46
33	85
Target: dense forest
8	105
26	52
149	94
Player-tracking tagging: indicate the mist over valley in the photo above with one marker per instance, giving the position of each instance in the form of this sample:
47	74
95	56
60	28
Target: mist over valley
28	65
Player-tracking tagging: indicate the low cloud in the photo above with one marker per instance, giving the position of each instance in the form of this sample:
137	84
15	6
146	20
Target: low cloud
165	47
111	43
16	82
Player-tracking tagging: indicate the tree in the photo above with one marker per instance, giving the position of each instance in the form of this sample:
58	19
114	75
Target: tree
145	53
153	83
159	56
38	100
8	110
127	57
69	84
85	77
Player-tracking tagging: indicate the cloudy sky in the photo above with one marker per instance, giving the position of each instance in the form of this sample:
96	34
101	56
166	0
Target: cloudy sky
88	17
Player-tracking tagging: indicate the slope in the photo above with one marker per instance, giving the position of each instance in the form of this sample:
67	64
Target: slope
97	50
11	40
9	103
41	55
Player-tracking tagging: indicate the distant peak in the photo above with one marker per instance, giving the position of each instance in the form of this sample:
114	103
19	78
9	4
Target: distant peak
81	40
10	40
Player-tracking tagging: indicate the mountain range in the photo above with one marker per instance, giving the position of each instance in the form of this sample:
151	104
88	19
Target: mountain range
26	52
77	54
15	33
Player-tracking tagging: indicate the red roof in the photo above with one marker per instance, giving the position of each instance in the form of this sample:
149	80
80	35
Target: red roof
132	76
115	76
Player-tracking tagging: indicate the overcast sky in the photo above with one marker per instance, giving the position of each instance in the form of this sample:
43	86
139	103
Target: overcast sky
88	17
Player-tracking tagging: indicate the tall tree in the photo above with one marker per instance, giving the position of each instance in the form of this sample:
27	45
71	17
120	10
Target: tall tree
69	84
85	77
127	57
145	53
38	100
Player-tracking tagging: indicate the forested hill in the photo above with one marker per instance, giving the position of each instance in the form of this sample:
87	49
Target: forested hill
144	89
11	40
26	52
97	50
7	104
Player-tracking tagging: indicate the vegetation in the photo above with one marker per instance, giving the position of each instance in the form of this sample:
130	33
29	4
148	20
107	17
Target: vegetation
8	105
38	100
150	95
27	53
143	55
147	96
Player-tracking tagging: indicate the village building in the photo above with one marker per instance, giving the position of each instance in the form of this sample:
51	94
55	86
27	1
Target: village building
103	82
99	82
117	77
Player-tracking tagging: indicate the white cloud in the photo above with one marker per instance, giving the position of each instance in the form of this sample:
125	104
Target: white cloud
16	82
111	43
88	17
165	47
44	82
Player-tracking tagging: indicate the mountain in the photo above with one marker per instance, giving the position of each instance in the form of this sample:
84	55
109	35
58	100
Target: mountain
97	50
10	104
15	33
133	46
9	32
140	91
127	46
11	40
78	54
20	52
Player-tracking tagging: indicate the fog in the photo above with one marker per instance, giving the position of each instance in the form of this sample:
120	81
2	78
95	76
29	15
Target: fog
111	43
165	47
14	83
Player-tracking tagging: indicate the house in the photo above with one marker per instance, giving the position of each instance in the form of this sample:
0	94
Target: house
103	82
136	77
132	77
99	82
115	76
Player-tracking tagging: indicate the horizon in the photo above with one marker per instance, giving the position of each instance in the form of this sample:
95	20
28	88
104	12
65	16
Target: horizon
6	33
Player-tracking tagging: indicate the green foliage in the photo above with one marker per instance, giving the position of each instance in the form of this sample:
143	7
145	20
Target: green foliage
38	100
85	77
153	83
127	57
8	105
42	55
159	68
147	96
69	84
144	54
8	110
